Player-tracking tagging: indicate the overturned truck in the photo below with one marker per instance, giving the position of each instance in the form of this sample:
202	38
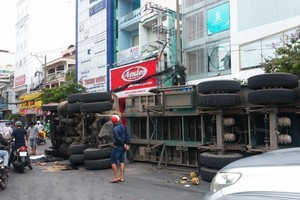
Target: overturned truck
214	123
207	125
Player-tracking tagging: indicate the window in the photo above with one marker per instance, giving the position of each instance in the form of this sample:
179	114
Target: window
135	40
195	62
194	26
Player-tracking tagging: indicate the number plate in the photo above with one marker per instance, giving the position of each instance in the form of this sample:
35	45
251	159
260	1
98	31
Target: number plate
23	153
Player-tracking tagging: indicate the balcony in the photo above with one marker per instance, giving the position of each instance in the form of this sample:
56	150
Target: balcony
130	21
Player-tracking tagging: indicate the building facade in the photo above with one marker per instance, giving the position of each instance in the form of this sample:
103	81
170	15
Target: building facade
230	39
123	33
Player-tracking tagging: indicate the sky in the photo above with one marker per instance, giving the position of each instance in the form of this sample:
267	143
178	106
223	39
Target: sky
7	25
54	22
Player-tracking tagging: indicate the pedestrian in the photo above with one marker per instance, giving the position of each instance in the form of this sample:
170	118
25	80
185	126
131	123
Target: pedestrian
7	131
33	135
121	145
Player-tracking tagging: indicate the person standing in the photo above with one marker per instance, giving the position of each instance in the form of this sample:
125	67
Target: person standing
7	131
33	135
121	145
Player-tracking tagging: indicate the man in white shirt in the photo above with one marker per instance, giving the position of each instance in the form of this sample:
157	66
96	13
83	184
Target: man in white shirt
7	131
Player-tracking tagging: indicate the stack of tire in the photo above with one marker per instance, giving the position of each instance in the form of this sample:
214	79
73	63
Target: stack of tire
97	159
273	89
76	153
210	163
219	93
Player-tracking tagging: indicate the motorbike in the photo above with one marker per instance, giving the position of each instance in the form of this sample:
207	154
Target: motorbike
20	159
3	175
41	137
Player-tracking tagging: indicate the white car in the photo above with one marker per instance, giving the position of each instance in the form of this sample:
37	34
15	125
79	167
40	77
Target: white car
271	175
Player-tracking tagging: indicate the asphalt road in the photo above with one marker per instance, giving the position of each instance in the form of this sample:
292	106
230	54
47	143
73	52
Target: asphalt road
143	181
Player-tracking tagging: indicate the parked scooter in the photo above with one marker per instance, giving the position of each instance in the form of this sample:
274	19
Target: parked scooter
3	175
20	159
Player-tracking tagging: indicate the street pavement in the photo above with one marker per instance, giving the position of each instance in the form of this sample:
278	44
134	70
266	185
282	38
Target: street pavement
143	181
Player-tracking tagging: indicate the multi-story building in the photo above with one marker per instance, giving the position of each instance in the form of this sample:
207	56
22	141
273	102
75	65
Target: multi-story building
57	69
124	35
230	38
43	29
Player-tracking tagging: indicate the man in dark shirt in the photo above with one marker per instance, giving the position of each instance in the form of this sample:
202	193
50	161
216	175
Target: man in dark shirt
121	145
19	134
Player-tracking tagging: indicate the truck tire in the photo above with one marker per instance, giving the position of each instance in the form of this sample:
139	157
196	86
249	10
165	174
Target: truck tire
73	98
207	174
74	108
76	159
96	107
95	153
76	148
273	96
52	151
230	86
219	100
217	161
271	80
95	97
97	164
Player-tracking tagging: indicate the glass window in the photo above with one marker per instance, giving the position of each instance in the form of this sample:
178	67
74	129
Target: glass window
195	62
219	57
194	26
189	3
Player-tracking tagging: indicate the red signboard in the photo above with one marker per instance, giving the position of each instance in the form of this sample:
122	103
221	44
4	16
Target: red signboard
122	76
20	80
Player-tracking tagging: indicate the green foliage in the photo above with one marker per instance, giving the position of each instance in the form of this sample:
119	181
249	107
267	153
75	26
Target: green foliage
58	94
287	58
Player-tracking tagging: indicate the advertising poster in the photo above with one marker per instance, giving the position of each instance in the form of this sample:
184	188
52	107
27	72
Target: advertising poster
218	19
131	75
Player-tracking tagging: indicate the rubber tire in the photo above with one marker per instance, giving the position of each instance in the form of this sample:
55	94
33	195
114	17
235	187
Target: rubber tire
77	148
230	86
95	97
64	150
273	96
271	80
73	98
76	159
74	108
96	107
52	151
97	164
219	100
3	184
207	174
216	161
95	153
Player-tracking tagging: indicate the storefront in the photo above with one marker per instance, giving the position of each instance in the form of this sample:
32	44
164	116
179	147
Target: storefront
30	107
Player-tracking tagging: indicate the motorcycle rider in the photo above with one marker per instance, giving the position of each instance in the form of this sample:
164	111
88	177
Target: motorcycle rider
4	153
19	134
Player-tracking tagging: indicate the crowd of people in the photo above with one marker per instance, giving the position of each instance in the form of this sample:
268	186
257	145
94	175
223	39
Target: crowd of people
18	135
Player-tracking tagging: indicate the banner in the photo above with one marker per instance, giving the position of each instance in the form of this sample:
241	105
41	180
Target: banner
123	76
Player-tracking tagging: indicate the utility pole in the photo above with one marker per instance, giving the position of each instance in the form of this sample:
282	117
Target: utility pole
44	68
178	39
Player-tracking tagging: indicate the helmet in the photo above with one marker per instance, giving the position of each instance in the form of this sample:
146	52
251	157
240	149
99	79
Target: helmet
115	118
38	122
18	123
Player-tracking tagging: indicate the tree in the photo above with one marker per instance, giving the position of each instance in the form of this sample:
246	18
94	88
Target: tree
287	57
61	93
